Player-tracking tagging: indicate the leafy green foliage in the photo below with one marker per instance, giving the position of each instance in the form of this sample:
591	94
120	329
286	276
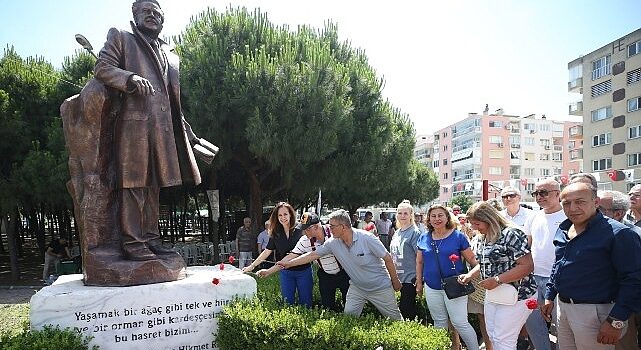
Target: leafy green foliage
462	201
49	338
252	324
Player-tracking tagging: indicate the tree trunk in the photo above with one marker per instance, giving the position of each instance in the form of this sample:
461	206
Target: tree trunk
3	231
12	238
255	202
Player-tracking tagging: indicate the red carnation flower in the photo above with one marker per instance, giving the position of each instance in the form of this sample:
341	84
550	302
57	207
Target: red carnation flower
231	259
222	266
454	258
215	281
531	303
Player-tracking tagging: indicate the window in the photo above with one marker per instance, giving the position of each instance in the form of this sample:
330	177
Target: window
557	171
601	164
544	127
495	170
544	156
496	124
444	161
601	88
496	139
530	187
513	155
435	164
529	141
634	76
545	142
528	171
557	156
529	126
445	176
602	113
515	140
529	156
545	172
634	159
445	189
602	139
496	154
572	144
601	67
634	104
634	132
634	48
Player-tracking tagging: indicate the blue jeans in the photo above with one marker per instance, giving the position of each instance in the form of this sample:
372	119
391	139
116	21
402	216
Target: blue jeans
301	280
536	327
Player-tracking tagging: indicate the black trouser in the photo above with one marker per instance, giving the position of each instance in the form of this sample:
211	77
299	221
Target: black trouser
327	285
407	303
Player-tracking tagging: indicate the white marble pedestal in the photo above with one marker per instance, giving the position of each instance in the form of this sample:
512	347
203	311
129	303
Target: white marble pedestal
172	315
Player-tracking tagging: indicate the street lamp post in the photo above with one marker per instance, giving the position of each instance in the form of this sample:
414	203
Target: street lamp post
85	44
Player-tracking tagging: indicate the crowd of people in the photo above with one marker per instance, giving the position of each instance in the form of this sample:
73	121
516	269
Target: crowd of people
575	264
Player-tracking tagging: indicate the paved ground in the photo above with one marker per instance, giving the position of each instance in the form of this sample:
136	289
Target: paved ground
18	295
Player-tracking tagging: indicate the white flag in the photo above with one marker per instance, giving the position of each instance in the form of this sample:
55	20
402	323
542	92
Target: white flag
629	175
318	205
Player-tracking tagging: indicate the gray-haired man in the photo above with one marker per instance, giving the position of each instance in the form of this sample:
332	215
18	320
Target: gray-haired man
370	267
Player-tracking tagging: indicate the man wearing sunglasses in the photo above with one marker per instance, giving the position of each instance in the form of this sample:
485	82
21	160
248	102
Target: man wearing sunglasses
513	211
541	230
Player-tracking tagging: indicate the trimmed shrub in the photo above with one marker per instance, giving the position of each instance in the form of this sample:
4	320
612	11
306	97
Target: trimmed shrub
254	324
266	322
49	338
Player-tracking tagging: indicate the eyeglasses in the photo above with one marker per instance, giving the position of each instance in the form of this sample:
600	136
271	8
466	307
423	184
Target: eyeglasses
542	193
511	195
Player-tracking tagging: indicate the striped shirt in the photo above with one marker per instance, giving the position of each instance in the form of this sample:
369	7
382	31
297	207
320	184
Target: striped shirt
328	262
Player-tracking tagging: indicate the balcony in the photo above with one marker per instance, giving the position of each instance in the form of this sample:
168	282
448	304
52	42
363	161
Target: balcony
575	85
469	129
576	108
464	177
576	154
576	132
463	147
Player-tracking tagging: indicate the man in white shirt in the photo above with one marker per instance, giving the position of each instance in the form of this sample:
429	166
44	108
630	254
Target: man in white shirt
513	211
541	229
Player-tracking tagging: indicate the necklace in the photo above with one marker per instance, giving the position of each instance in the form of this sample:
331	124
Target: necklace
440	242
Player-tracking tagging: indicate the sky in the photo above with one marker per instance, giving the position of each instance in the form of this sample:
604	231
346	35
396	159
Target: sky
440	60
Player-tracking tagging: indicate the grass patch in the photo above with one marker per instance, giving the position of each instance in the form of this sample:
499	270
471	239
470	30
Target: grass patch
14	317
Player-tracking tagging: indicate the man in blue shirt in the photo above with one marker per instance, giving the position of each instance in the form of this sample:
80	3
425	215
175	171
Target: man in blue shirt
596	275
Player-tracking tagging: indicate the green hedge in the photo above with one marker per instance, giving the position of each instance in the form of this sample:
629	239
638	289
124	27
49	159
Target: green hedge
49	338
264	322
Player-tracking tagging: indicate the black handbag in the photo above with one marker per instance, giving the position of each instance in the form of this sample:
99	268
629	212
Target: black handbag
453	289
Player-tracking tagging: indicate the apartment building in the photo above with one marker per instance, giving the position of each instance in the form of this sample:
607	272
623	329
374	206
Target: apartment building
606	89
505	150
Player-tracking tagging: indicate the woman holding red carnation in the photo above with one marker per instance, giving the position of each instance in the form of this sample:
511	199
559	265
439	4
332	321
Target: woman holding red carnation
450	246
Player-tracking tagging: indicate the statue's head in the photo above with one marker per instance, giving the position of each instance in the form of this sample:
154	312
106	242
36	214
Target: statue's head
148	16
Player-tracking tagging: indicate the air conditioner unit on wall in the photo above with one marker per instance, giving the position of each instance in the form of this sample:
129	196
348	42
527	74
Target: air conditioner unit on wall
500	145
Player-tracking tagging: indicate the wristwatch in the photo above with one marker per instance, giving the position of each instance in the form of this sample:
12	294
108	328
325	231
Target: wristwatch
617	324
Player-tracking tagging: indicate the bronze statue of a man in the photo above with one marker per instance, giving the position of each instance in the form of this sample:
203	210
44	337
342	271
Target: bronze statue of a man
128	138
152	138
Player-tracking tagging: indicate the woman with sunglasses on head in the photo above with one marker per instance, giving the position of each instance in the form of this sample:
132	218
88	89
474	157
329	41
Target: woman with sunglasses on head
441	251
283	236
503	258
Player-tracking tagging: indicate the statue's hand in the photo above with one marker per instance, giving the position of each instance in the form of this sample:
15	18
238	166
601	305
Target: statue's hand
140	85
